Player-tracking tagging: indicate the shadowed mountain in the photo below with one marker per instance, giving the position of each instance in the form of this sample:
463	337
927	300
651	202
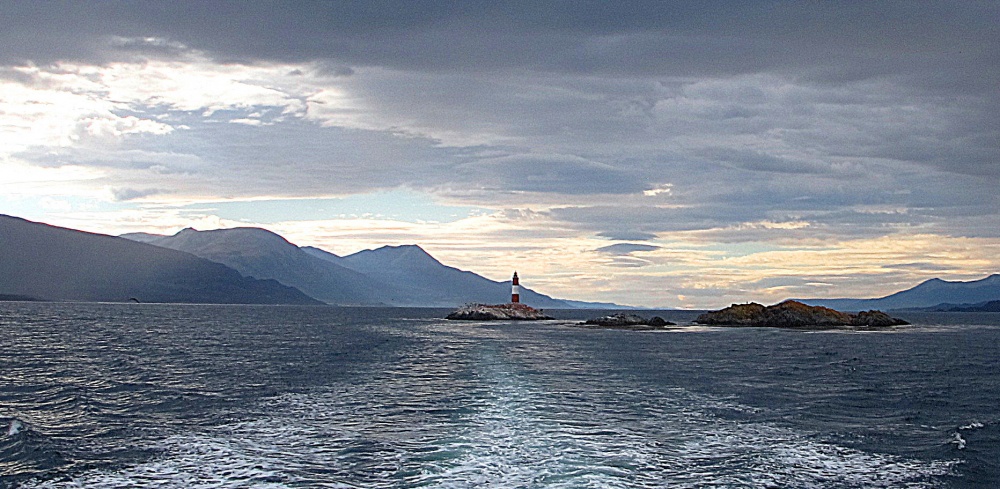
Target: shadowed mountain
989	306
390	275
928	294
260	253
48	262
428	281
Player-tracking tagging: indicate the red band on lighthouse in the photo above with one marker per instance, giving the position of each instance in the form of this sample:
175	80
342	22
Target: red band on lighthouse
515	290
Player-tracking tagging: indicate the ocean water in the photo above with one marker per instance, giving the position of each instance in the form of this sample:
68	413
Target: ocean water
194	396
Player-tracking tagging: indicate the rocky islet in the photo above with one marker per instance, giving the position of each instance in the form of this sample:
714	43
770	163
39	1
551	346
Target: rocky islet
794	314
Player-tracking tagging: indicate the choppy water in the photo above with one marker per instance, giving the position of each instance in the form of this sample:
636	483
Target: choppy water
140	395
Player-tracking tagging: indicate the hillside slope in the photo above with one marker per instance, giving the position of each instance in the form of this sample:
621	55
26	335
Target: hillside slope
428	281
260	253
54	263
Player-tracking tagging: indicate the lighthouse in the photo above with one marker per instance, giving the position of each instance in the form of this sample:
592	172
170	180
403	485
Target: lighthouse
515	290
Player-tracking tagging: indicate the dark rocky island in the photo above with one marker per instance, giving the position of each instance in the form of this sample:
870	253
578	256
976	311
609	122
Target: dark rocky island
497	312
632	322
793	314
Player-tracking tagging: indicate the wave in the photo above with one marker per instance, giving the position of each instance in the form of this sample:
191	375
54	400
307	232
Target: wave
506	432
14	427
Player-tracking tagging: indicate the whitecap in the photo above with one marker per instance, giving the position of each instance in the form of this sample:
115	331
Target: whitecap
505	428
958	441
15	427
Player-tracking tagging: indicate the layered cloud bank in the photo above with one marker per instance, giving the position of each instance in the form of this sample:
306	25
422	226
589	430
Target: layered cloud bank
649	154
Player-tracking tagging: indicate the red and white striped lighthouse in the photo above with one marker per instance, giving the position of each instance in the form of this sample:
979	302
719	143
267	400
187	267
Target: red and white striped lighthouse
515	290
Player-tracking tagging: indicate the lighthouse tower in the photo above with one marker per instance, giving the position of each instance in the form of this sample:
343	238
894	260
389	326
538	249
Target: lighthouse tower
515	290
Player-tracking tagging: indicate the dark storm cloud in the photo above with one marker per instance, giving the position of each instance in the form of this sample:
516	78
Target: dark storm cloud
753	111
829	41
550	173
739	206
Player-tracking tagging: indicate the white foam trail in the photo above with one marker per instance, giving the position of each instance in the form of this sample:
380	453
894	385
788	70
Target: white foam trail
958	441
192	461
504	428
15	427
324	440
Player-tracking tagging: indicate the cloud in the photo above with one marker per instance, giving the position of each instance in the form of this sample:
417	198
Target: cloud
622	255
627	236
125	194
719	127
923	266
645	37
622	249
149	46
550	173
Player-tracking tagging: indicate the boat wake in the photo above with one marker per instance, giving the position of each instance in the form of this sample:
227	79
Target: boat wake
503	428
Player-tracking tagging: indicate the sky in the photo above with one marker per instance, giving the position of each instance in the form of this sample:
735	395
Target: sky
660	154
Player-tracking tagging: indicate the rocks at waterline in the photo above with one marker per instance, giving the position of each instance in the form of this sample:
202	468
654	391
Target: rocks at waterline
497	312
793	314
627	321
875	319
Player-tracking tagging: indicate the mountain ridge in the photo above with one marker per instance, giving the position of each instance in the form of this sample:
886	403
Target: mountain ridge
54	263
432	281
926	294
259	253
404	275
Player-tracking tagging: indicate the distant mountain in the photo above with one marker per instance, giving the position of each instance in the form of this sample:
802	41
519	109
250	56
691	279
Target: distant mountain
260	253
989	306
53	263
928	294
16	298
428	281
611	306
391	275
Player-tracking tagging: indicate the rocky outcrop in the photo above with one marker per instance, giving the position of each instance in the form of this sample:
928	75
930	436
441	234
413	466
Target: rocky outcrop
627	321
734	315
793	314
875	319
497	312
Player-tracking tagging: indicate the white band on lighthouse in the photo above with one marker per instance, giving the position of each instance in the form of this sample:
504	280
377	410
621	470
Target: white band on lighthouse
515	289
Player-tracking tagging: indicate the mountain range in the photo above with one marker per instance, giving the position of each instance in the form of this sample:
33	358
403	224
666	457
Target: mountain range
988	306
255	266
233	266
930	294
388	276
43	262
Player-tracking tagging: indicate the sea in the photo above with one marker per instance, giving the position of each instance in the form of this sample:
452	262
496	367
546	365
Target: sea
215	396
